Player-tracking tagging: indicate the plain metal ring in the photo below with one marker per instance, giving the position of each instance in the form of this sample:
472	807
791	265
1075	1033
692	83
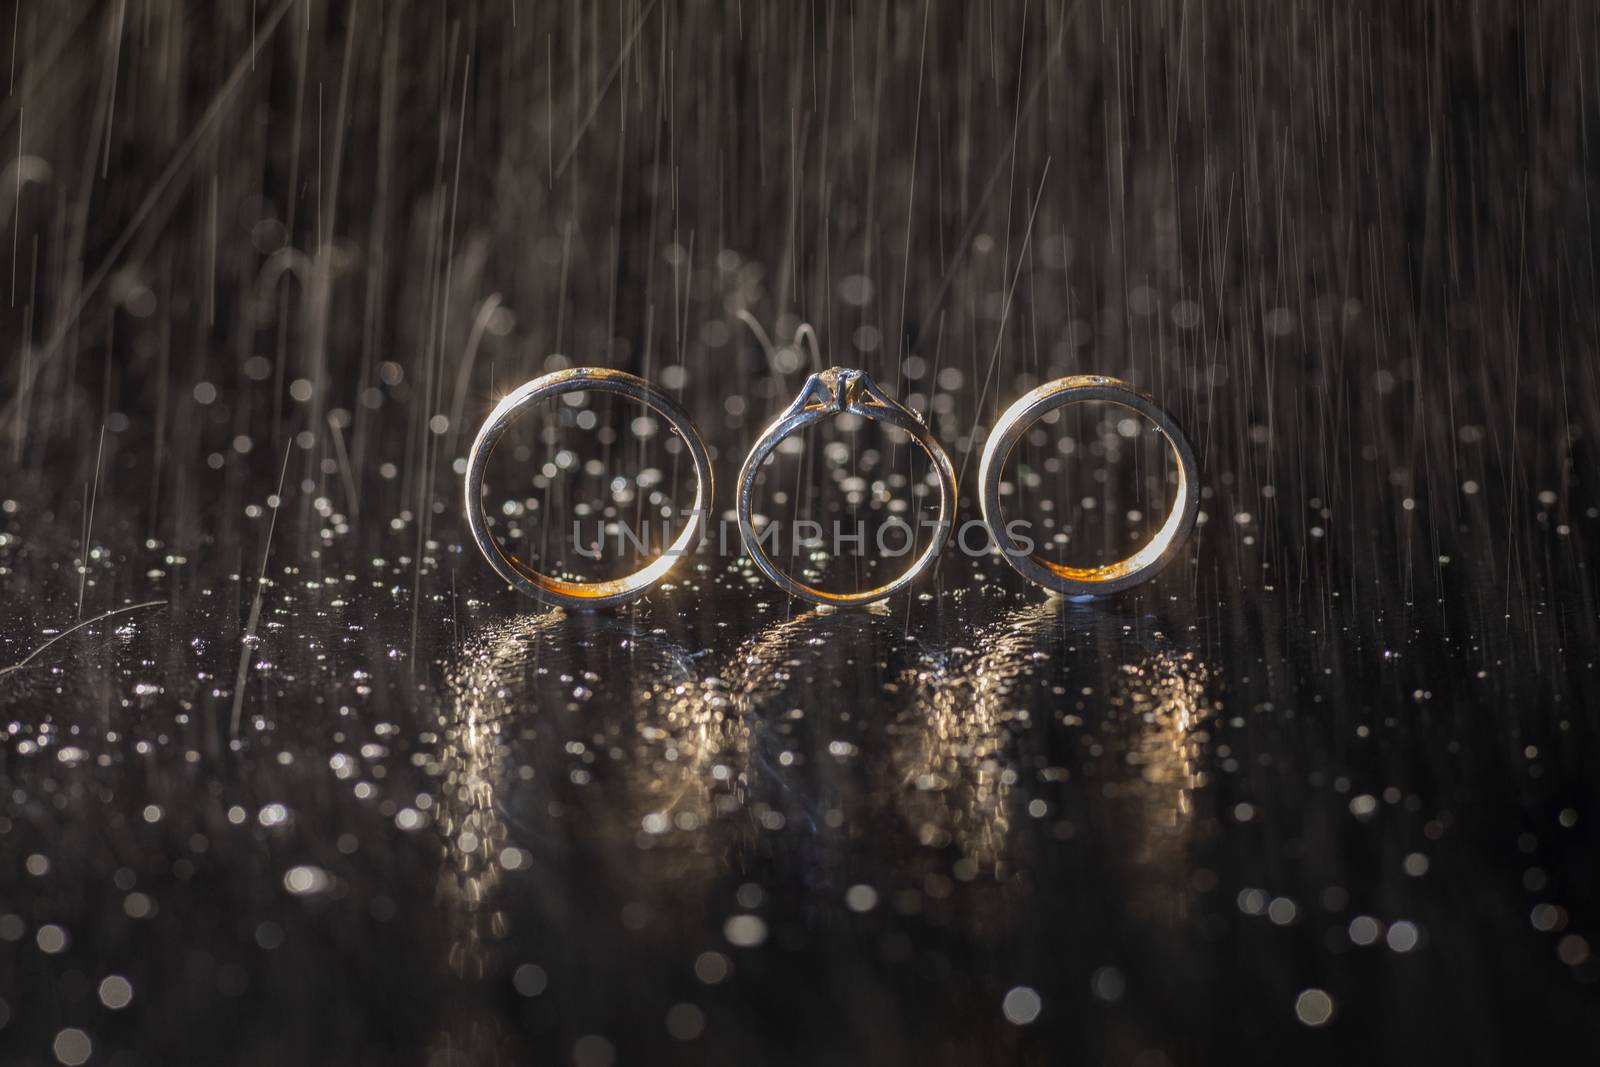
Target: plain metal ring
1088	581
558	591
825	394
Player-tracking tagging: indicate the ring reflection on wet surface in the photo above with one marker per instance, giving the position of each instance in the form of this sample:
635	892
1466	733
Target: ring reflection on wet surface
587	759
964	747
574	743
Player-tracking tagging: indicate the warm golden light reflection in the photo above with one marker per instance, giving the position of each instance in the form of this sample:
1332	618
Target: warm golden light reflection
812	653
809	689
950	752
585	755
601	719
572	685
688	768
466	819
1162	696
955	744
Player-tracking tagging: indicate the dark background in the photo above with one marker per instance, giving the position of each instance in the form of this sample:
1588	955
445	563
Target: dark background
323	790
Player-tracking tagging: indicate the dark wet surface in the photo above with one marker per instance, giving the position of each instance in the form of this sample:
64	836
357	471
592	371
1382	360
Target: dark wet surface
789	835
308	785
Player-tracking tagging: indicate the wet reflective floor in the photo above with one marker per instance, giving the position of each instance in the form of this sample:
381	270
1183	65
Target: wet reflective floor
971	826
288	776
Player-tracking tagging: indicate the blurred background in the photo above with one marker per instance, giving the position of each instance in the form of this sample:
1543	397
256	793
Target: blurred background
288	776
